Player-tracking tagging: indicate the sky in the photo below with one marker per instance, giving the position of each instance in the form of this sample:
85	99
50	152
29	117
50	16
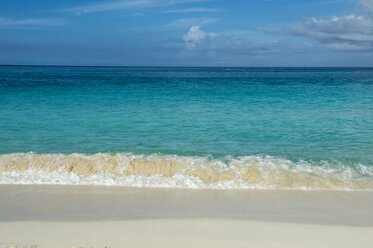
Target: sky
187	32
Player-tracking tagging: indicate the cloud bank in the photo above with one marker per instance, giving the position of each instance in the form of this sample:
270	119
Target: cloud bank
347	33
367	5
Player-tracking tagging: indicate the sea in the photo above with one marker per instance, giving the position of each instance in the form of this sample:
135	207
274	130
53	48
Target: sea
192	127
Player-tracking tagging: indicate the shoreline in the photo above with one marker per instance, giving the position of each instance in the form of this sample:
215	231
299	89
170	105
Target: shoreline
261	172
91	203
98	216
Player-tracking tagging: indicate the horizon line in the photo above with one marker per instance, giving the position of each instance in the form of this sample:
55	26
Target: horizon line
181	66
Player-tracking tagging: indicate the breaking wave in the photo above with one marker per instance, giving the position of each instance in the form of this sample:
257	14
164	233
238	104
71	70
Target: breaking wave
172	171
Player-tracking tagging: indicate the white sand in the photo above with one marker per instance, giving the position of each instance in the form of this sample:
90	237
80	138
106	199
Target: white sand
64	216
183	233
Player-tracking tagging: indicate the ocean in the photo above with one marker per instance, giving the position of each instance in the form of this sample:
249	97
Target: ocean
218	128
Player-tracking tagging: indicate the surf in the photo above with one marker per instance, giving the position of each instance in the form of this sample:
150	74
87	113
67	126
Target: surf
174	171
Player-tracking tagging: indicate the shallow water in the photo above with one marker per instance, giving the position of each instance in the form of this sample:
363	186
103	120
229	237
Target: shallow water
238	128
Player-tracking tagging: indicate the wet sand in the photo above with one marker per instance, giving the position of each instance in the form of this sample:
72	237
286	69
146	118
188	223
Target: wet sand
92	216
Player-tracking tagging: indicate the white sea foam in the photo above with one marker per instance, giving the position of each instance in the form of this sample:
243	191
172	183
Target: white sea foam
171	171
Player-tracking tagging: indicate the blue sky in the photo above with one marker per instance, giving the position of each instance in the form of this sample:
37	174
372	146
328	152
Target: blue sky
187	32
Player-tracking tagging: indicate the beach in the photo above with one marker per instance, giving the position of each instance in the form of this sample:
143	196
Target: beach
185	157
97	216
186	124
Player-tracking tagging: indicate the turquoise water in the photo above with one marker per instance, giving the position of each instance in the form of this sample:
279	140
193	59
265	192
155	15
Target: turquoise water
297	114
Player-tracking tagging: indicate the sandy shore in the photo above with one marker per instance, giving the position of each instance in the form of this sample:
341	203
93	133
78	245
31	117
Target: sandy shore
82	216
182	233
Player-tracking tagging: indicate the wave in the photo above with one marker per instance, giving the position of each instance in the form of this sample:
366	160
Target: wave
172	171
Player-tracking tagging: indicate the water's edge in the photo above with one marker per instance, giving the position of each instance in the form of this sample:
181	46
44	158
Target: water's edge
173	171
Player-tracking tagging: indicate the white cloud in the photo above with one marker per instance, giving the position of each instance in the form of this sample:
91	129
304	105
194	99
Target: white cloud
195	35
347	33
